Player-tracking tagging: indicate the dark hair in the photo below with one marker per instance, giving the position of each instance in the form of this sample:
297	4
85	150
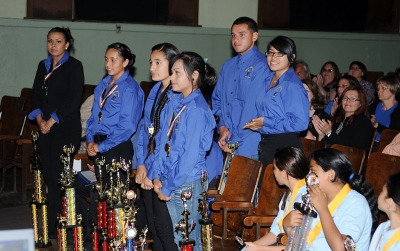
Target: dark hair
67	35
285	45
294	162
352	82
340	115
393	188
318	101
333	159
362	67
252	25
335	70
170	52
125	53
194	62
393	83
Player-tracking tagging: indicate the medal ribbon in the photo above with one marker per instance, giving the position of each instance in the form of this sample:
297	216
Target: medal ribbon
174	120
296	189
336	202
393	240
49	74
103	100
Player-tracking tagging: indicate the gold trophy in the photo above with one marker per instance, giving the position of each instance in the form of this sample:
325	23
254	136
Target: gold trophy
183	225
233	147
38	201
205	222
68	217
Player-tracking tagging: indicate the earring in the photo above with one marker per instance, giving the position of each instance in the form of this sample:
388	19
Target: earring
66	48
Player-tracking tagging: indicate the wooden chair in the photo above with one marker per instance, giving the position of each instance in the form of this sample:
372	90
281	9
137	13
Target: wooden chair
10	104
380	167
373	76
310	145
260	218
237	198
11	130
386	138
87	91
355	155
146	87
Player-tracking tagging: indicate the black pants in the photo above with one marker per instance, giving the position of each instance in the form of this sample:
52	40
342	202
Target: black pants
159	222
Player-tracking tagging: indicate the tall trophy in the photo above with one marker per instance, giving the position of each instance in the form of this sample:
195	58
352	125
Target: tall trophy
38	200
233	147
206	223
298	238
183	225
68	219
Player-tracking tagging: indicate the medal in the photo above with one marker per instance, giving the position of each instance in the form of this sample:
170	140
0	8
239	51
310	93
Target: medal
100	116
167	149
150	129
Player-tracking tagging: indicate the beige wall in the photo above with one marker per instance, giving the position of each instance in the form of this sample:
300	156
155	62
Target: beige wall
13	8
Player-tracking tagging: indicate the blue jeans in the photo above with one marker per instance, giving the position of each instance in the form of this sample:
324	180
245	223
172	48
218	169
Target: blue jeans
175	208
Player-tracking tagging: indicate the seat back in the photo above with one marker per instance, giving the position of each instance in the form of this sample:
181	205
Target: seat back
244	174
12	104
373	76
310	145
268	202
87	91
386	138
355	155
380	167
11	130
26	93
146	87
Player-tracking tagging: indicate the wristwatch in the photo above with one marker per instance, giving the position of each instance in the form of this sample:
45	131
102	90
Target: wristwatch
281	239
349	244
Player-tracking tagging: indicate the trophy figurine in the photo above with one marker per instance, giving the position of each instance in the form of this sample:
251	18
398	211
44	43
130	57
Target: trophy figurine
233	147
68	217
298	238
205	222
142	238
38	200
186	244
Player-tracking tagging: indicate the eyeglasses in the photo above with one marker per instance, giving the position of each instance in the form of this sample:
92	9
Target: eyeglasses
354	68
271	54
352	99
381	88
327	70
342	86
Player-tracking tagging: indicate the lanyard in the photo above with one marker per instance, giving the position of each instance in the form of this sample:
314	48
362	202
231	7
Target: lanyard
173	120
393	240
296	190
337	201
47	77
103	99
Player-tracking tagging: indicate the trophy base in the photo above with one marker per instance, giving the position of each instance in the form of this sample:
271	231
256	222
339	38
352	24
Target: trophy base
43	245
187	245
205	222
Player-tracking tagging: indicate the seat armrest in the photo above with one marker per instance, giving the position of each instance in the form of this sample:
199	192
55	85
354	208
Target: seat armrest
266	220
232	205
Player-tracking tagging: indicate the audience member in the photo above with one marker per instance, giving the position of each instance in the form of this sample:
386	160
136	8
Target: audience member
359	71
282	104
327	80
317	105
394	147
387	236
350	124
301	69
56	97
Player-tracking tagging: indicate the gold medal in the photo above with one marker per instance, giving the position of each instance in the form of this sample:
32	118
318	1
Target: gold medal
100	116
150	129
167	149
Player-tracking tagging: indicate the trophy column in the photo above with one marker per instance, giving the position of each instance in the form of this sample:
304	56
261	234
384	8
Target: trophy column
206	223
185	244
38	200
224	176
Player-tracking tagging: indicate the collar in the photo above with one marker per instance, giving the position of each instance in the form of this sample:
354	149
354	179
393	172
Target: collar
121	79
48	61
246	57
192	96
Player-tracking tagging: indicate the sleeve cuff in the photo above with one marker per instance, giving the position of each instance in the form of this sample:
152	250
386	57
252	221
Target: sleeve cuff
55	116
34	113
166	191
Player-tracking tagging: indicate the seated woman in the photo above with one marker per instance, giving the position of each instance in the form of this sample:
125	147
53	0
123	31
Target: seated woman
359	71
386	113
387	236
344	203
290	169
327	80
343	82
394	147
317	104
350	124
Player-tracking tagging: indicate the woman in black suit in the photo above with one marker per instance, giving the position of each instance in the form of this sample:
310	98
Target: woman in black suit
56	97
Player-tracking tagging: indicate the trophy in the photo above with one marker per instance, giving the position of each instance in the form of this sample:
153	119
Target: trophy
38	200
205	222
298	238
233	147
186	244
68	217
142	238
